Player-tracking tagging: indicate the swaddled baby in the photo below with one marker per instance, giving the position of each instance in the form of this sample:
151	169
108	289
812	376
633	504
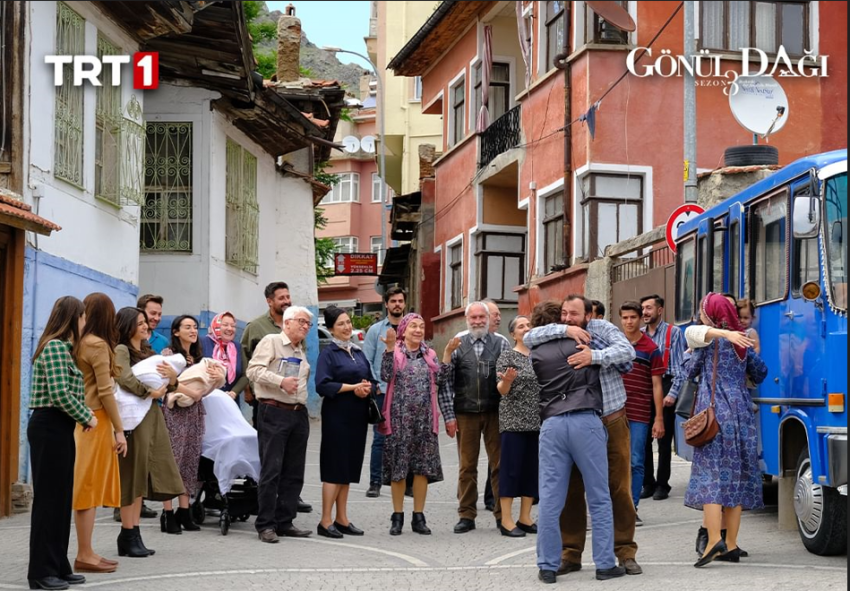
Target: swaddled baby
133	408
197	381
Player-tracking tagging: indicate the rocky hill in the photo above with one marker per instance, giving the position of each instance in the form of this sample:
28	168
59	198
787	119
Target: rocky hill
321	64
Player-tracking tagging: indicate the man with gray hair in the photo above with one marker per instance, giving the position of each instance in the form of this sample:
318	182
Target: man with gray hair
278	370
470	389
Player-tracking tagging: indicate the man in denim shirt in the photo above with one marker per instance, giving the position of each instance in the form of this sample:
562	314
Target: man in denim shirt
602	344
374	349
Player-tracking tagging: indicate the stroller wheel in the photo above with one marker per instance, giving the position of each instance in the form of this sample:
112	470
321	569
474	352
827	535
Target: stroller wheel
198	512
224	523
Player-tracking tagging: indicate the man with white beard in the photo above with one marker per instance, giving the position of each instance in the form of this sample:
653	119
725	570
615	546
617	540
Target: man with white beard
470	387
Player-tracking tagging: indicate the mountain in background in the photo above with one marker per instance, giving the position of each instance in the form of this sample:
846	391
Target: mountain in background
321	64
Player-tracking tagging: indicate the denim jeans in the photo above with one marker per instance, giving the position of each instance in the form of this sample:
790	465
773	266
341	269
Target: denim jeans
579	439
639	433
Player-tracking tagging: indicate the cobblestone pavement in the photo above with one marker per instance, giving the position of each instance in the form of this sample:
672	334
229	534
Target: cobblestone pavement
481	559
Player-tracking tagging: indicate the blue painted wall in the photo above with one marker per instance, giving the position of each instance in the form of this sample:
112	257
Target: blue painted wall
46	279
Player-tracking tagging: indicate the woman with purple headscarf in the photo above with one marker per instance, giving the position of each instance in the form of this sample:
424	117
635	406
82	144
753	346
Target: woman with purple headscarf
412	372
725	474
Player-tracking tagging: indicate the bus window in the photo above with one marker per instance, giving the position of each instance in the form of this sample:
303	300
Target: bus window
835	198
718	260
735	259
768	268
685	278
805	267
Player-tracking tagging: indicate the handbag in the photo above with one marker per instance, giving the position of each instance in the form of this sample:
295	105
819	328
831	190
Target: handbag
375	415
685	401
702	427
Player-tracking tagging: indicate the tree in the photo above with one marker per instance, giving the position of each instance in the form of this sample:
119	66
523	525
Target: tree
325	247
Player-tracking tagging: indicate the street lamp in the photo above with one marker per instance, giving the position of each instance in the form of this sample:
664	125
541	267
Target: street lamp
383	152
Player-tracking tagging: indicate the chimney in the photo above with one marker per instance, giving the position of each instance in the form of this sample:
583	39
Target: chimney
288	46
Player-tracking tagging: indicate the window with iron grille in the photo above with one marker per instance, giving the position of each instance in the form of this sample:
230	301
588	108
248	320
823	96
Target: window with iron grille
68	119
612	211
458	128
500	88
378	248
242	216
554	32
107	152
501	265
729	26
456	275
598	30
346	190
166	216
553	231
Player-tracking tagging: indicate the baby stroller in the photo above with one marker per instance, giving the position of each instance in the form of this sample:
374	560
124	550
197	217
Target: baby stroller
230	464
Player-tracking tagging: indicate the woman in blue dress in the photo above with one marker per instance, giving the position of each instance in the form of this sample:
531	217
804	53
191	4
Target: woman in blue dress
725	474
344	381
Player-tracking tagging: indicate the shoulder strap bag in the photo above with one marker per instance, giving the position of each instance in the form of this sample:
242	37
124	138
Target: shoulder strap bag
702	427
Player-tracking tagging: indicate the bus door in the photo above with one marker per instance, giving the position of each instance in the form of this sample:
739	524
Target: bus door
735	268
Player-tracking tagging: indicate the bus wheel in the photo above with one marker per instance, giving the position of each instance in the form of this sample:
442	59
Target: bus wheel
821	512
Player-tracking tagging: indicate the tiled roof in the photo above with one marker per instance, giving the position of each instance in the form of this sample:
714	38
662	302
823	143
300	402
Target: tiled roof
10	206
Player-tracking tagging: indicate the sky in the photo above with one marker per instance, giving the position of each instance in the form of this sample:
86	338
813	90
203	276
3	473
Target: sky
338	24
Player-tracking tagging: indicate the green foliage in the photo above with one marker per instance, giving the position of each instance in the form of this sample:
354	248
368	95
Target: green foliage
362	322
345	115
266	64
326	178
324	247
306	72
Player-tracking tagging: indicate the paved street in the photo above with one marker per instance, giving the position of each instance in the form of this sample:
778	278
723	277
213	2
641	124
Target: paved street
479	560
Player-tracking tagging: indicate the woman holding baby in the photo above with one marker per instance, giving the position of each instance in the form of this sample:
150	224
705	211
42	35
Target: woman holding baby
148	470
185	426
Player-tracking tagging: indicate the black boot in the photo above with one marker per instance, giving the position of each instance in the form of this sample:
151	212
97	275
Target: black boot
418	524
702	541
141	543
396	523
168	523
184	518
128	544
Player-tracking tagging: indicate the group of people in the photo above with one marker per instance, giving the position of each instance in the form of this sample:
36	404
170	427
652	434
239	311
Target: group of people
567	411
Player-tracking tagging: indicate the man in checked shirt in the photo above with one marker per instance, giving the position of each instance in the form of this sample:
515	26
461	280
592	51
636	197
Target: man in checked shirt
602	344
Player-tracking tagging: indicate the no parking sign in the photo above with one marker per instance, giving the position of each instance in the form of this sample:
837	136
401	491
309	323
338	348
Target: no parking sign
680	215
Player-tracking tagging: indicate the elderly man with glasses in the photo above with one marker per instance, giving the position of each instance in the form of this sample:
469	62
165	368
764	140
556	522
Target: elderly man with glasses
279	371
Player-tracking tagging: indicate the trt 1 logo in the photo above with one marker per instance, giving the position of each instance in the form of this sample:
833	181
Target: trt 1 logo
87	67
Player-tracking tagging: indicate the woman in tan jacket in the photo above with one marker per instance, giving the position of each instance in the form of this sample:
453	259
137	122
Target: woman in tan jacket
96	479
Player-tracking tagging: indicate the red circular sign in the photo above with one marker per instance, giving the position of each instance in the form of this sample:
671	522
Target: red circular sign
680	215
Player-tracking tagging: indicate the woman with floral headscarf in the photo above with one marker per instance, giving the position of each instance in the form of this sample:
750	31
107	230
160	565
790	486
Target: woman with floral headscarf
412	372
219	344
725	474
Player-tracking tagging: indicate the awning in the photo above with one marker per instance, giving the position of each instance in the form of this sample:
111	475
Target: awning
395	265
405	216
16	213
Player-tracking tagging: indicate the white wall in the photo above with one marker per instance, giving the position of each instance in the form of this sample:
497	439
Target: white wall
203	280
94	234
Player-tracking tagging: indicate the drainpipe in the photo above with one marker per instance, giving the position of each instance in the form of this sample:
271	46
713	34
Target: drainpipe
562	63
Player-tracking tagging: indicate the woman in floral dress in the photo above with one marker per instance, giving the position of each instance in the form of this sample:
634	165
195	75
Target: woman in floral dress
412	372
725	474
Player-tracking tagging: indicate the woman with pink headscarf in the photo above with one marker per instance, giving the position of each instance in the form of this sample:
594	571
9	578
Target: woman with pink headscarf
725	474
220	344
412	372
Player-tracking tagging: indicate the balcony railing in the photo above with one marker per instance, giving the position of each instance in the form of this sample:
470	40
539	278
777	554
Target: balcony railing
502	135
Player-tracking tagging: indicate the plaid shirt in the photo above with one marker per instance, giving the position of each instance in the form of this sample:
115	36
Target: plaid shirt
676	363
446	394
609	348
58	383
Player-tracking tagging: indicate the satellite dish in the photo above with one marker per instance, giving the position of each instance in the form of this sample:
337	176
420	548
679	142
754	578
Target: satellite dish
614	14
351	144
367	144
759	105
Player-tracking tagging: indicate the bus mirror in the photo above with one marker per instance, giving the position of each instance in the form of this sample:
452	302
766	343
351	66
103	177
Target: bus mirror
806	216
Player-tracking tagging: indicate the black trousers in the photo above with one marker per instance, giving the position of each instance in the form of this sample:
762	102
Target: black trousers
52	453
665	446
282	438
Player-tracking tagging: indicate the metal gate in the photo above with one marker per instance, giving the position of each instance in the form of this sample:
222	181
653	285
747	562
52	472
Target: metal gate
639	274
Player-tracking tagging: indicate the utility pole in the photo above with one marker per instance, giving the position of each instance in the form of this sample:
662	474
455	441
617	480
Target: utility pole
690	107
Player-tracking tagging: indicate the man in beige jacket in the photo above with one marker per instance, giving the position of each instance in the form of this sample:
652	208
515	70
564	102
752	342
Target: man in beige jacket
284	425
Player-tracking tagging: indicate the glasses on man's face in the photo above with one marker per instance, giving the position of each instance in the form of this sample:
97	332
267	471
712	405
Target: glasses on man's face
303	322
